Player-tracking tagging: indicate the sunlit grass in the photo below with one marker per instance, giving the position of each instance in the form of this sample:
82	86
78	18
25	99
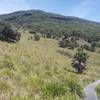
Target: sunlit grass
36	70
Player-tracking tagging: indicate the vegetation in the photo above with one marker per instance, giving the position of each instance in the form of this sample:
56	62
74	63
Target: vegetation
43	73
36	37
42	70
69	42
64	43
80	59
7	33
98	91
53	24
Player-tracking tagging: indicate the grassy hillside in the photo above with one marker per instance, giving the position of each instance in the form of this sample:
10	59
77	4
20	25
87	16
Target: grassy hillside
43	22
41	70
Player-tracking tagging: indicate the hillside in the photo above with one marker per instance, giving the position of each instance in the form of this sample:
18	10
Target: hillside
43	22
42	70
32	70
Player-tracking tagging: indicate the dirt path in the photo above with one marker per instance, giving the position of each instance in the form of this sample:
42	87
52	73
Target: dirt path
90	91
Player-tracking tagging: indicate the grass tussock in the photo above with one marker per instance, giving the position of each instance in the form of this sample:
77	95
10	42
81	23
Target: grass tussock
98	91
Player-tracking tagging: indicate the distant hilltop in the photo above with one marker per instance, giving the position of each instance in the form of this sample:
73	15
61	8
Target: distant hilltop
40	21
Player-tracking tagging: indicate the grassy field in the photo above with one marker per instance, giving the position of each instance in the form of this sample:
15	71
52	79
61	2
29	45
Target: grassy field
41	70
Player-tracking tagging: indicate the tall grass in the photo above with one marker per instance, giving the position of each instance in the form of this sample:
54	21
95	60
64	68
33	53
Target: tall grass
31	70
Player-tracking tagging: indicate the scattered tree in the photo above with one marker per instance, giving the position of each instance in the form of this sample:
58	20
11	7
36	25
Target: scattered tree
80	59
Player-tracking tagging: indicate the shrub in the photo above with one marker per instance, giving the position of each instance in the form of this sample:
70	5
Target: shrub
54	89
93	46
60	89
63	43
48	35
92	49
98	44
89	48
65	36
80	55
36	37
9	34
75	88
73	42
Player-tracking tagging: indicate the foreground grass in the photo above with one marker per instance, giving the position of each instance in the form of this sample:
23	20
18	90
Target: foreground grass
31	70
98	91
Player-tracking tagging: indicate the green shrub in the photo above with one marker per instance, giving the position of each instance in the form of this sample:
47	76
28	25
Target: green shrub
89	48
86	46
36	37
48	35
98	44
54	89
63	43
73	42
92	49
80	55
75	88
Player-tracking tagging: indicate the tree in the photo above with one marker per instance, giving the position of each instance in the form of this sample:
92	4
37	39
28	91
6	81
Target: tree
80	59
9	34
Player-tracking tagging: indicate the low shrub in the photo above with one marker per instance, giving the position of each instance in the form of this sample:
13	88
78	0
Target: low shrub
63	43
75	88
36	37
89	48
54	89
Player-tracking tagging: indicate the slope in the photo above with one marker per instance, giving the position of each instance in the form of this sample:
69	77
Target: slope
43	22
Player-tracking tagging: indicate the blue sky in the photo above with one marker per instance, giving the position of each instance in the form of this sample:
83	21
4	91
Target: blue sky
88	9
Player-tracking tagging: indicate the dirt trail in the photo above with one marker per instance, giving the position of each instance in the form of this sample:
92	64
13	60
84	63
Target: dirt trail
90	91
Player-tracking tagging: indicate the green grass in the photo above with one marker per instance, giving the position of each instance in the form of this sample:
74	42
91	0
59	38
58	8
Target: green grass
36	70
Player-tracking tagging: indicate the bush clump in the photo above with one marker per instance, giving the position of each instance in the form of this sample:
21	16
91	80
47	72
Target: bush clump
63	43
8	33
89	48
75	88
54	89
36	37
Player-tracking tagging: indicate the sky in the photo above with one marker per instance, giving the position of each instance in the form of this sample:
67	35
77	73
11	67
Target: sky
88	9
